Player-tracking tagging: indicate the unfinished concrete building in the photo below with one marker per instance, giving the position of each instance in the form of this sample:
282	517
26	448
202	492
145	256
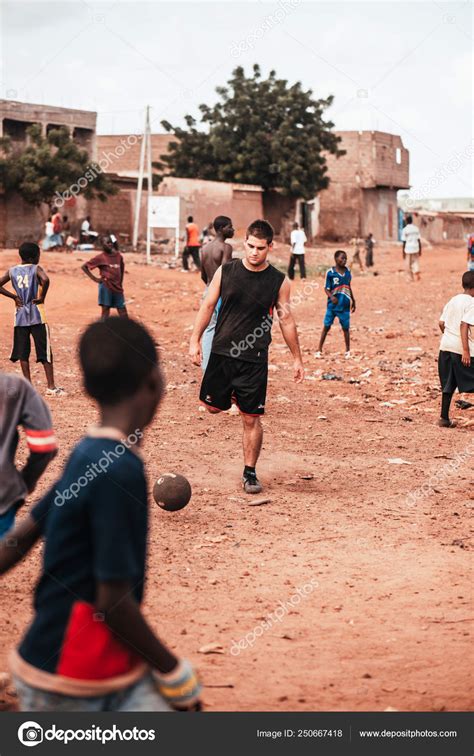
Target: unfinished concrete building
362	195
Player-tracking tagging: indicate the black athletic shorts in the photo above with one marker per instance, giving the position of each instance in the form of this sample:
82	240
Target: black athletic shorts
454	375
227	379
22	343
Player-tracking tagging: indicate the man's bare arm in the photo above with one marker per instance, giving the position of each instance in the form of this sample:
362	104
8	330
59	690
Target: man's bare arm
288	328
44	282
204	316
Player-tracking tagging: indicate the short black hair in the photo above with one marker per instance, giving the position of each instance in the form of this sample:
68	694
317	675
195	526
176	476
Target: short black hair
409	219
190	218
262	229
29	252
116	357
221	222
296	225
339	252
468	279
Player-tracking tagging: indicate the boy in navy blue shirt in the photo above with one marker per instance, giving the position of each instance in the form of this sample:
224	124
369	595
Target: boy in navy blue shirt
341	301
89	647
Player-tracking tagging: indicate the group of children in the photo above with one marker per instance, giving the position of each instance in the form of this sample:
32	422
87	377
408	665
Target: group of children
89	647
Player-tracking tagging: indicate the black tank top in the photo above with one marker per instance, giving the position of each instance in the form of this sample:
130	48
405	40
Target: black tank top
245	318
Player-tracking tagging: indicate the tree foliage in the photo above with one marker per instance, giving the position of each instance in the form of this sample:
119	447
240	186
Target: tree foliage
49	165
261	131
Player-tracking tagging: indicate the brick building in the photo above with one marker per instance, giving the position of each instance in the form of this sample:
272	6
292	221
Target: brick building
362	195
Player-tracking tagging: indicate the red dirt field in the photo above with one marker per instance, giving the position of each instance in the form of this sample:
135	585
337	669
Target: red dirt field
386	622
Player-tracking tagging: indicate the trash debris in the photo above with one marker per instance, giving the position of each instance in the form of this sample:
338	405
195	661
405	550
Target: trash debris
331	377
212	648
398	461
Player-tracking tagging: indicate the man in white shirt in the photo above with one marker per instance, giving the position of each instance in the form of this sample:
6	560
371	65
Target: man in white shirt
297	239
456	356
412	248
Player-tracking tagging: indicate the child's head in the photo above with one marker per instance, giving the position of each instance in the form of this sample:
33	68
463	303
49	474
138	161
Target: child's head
190	218
121	367
340	258
107	244
29	252
468	282
409	219
223	224
295	226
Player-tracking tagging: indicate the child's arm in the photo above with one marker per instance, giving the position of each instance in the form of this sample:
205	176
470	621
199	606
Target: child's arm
441	326
466	355
89	273
44	282
3	280
123	616
353	305
18	542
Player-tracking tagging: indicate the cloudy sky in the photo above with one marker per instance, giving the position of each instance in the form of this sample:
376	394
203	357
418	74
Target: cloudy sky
400	67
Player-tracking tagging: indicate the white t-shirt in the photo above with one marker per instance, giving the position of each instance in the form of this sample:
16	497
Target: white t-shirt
459	309
298	239
411	235
85	226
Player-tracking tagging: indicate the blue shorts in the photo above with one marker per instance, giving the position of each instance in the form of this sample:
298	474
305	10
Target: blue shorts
470	265
343	315
108	298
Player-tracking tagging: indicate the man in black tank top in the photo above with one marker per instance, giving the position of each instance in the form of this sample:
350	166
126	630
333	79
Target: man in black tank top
249	289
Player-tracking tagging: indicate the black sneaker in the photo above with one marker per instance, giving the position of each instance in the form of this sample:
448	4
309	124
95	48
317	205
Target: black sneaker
251	484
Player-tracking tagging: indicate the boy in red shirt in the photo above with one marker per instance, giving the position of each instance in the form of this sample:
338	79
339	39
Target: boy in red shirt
111	269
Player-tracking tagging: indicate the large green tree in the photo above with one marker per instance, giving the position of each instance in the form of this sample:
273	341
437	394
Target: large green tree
261	131
49	166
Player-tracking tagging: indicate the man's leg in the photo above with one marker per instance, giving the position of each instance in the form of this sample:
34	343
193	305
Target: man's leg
291	267
302	264
185	259
196	258
105	312
252	439
122	312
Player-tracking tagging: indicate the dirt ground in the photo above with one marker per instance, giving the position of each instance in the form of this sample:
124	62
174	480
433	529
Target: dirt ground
385	620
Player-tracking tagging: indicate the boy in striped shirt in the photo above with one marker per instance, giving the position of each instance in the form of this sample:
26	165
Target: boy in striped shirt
21	405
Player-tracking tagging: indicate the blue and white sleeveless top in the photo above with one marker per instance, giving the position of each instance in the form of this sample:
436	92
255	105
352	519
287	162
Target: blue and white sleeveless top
24	280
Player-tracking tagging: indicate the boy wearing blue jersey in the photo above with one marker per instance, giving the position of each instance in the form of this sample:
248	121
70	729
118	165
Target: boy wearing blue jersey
341	301
30	284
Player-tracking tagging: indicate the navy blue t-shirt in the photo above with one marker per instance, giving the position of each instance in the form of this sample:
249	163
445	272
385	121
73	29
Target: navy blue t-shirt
94	520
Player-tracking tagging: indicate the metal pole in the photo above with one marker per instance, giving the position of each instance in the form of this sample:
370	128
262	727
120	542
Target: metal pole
150	186
138	198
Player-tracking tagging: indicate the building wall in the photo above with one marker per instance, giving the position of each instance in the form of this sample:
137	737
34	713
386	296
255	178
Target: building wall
440	227
379	213
15	115
111	145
